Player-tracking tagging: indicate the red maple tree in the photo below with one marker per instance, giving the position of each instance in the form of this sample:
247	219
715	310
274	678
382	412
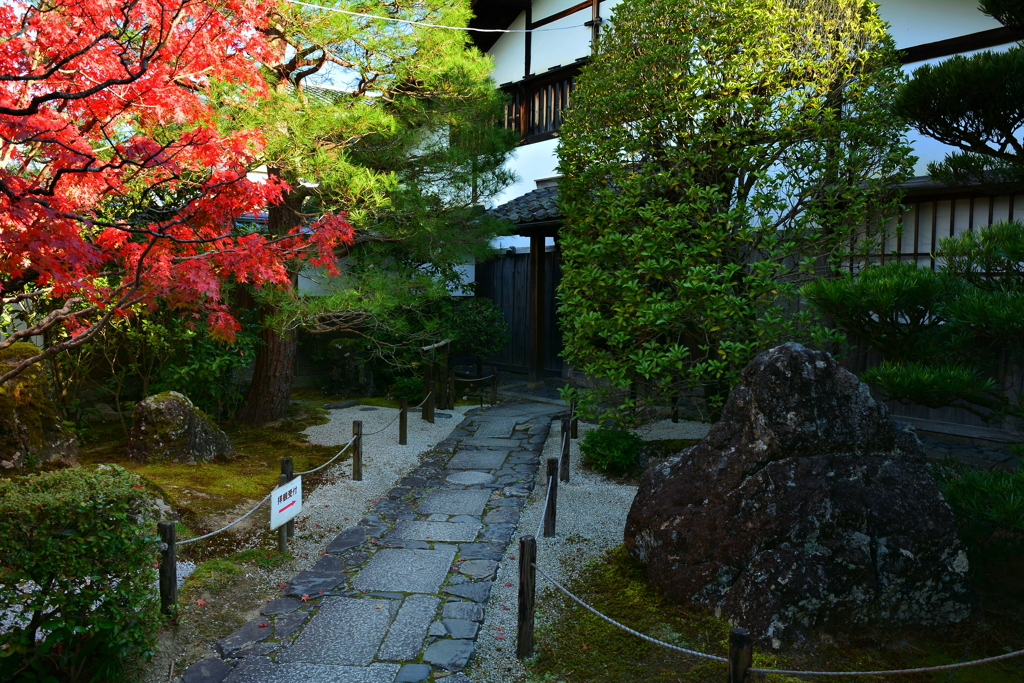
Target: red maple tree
117	185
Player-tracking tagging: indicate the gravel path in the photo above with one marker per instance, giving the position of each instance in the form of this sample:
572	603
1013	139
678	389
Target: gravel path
591	516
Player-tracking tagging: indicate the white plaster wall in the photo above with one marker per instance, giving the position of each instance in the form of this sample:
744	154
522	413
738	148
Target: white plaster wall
563	46
509	54
915	22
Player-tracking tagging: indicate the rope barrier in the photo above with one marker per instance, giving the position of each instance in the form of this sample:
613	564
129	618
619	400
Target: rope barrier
424	399
214	533
317	469
611	621
925	669
473	379
788	672
540	526
397	415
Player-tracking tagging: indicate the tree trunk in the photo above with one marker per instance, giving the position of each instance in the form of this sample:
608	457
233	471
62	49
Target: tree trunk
271	388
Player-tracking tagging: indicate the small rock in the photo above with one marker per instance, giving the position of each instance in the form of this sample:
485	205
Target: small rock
210	670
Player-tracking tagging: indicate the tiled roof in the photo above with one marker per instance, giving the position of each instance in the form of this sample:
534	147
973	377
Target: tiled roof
534	206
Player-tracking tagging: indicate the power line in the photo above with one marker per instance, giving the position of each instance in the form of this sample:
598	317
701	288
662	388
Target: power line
424	24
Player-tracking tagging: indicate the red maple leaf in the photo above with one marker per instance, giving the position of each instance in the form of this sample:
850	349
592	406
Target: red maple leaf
201	602
304	598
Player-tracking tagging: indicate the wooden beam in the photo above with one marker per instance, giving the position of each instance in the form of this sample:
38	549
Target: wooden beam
967	43
535	364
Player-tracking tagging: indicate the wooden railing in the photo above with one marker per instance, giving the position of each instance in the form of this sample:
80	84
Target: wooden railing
536	106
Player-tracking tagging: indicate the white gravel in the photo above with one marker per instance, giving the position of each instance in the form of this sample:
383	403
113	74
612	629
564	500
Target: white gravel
591	516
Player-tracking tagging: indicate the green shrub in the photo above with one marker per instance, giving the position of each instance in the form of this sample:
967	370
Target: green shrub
614	451
988	506
409	387
76	558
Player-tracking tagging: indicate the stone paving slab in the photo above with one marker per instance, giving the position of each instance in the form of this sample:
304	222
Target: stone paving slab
448	502
434	531
477	460
490	442
470	478
344	631
406	571
262	670
405	638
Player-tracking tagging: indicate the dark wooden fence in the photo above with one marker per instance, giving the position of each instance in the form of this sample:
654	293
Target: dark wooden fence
505	281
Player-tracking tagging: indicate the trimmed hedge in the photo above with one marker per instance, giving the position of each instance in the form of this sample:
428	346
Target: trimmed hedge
77	558
610	450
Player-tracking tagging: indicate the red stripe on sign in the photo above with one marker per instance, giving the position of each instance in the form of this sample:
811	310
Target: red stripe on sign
287	506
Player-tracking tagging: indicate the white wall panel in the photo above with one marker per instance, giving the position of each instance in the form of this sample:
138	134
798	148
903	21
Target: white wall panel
915	22
562	47
509	54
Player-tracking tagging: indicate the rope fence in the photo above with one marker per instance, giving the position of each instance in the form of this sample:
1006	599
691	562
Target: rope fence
741	642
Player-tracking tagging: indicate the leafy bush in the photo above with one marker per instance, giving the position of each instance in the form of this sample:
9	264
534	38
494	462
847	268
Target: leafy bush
988	506
614	451
76	568
409	387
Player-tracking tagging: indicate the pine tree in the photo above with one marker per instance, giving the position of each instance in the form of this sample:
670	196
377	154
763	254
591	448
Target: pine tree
391	125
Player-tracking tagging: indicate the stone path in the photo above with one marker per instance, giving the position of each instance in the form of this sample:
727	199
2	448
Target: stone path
400	596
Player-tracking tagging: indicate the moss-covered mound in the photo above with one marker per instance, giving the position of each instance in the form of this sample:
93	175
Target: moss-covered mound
31	430
167	426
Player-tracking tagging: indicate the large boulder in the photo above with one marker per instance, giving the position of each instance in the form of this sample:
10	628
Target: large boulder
31	429
168	427
804	509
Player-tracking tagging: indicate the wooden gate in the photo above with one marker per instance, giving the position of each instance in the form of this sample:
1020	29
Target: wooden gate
505	281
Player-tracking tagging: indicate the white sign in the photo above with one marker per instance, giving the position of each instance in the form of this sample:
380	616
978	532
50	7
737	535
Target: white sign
285	502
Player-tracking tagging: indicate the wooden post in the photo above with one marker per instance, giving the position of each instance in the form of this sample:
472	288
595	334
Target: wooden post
403	421
741	655
675	408
428	408
451	389
168	567
479	367
494	385
527	595
574	427
357	450
441	384
282	531
288	469
552	507
564	470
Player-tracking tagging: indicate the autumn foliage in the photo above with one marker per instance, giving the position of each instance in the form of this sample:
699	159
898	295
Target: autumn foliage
119	182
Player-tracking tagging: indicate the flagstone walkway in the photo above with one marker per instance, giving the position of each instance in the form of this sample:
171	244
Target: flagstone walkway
401	595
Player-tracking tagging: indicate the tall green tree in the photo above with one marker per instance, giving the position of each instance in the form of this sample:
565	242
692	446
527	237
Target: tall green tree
976	104
391	124
717	155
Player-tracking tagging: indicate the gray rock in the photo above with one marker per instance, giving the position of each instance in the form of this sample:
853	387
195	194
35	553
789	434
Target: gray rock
413	673
481	551
168	427
500	533
281	606
210	670
805	508
329	563
312	583
461	628
437	517
502	515
465	519
477	592
349	538
285	624
470	611
515	491
437	630
257	650
340	405
252	632
451	655
479	569
458	678
405	637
